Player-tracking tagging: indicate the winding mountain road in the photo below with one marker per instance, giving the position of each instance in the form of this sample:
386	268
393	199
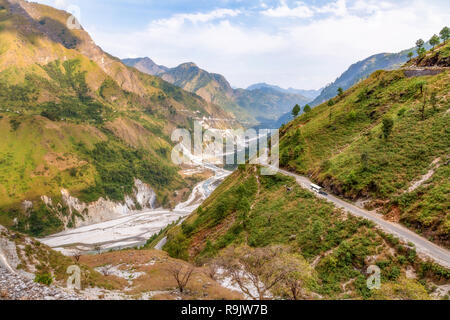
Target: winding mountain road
423	246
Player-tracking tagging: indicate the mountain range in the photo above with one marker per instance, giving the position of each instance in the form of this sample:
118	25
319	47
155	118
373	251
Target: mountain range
310	94
85	159
355	73
252	106
262	104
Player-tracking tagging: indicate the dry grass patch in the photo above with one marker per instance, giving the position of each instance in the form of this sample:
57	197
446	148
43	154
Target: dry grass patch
155	278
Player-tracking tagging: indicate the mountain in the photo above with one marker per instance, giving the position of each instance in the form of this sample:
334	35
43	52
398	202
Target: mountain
146	65
85	138
210	86
355	73
377	144
384	140
284	119
266	104
362	69
310	94
251	107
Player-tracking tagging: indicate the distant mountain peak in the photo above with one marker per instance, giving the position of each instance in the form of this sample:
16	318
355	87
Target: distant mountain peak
309	94
145	65
188	65
249	106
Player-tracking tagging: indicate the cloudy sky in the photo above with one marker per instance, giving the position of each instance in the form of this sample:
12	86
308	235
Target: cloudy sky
300	44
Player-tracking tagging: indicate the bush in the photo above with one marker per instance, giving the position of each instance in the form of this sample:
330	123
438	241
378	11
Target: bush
388	125
177	247
15	124
44	278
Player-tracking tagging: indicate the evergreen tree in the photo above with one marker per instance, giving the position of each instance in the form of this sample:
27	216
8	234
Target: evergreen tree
296	110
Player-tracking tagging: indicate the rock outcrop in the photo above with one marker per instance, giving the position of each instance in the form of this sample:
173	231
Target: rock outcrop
143	197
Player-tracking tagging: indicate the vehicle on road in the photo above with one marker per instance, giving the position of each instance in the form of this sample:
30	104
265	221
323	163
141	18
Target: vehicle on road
316	188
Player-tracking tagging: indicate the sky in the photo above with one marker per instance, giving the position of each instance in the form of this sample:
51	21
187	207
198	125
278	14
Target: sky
300	44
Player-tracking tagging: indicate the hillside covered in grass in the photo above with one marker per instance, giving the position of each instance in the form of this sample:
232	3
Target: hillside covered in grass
73	117
385	140
332	250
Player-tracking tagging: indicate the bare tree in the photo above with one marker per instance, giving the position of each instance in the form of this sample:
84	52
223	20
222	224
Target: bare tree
298	272
255	271
181	273
212	269
98	248
77	255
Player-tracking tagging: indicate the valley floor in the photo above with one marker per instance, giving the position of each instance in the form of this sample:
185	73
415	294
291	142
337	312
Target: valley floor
131	230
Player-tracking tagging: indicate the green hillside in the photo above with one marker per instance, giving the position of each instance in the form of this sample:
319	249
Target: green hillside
385	141
73	117
362	69
336	248
350	148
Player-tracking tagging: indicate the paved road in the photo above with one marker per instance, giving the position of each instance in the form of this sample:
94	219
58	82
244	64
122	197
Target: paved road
423	246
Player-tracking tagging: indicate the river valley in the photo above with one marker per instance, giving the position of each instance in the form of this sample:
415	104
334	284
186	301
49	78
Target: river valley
134	229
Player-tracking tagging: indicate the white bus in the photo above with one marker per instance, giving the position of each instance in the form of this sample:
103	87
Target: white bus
316	188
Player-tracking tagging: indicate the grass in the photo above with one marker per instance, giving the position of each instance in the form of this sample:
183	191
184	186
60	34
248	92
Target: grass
81	146
339	247
152	267
61	124
343	146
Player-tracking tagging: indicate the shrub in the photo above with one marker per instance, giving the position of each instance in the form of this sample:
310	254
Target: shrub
44	278
15	124
177	247
388	125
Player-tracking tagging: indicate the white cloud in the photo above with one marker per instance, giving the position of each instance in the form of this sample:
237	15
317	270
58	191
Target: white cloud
305	53
178	19
370	7
299	11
